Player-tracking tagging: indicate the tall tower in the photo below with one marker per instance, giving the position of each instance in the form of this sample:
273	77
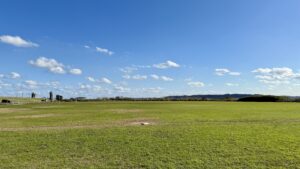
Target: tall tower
51	96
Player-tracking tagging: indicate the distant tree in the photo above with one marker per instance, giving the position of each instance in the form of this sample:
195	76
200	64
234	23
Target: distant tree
261	99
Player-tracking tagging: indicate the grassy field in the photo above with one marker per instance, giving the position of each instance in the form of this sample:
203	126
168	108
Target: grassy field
179	135
19	100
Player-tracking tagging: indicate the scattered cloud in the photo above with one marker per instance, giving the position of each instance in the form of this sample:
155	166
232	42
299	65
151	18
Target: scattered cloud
53	66
31	83
121	89
164	78
91	79
135	77
166	65
139	77
155	77
76	71
232	84
151	90
14	75
224	71
106	80
86	46
275	76
16	41
104	51
128	69
196	84
102	80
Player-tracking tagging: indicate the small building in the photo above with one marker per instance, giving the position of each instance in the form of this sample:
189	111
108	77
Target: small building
59	98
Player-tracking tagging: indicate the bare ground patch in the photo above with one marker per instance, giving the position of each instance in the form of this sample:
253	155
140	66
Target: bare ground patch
34	116
137	122
126	110
128	122
49	107
13	110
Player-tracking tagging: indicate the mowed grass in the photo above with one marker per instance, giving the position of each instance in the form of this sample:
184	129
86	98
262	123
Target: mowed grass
180	135
19	100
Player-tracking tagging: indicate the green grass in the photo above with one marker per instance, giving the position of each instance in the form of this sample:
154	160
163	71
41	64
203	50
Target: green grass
181	135
19	100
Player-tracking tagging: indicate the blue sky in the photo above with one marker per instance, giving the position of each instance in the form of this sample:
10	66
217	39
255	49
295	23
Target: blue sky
99	48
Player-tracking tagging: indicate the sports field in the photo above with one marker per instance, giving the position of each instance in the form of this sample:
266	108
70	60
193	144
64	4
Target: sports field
175	135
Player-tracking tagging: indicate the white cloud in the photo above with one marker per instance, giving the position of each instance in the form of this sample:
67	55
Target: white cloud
144	77
232	84
224	71
155	77
76	71
31	82
128	69
102	80
91	79
135	77
166	65
151	90
196	84
139	77
165	78
106	80
105	51
54	66
121	89
86	46
14	75
51	64
275	76
262	70
1	75
221	72
17	41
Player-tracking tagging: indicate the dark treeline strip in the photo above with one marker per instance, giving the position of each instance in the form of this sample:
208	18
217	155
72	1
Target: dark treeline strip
227	97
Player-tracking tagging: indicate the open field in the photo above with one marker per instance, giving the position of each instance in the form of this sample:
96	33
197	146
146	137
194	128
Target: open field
179	135
20	100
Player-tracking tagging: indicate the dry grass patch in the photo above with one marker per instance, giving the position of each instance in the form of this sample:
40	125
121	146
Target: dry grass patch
13	110
126	110
123	123
138	122
34	116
